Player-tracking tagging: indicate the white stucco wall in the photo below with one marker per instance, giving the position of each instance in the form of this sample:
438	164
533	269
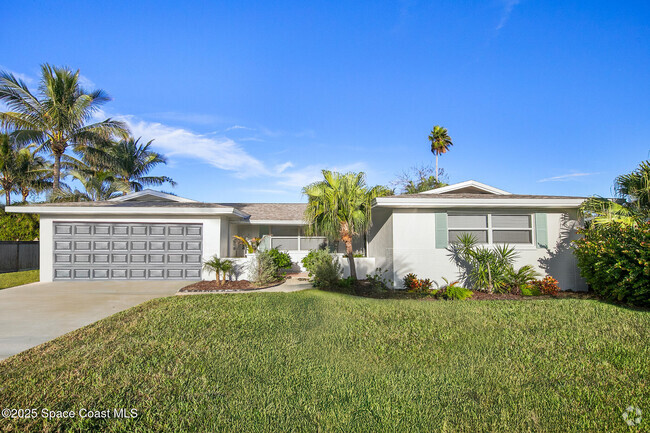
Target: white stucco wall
212	234
413	240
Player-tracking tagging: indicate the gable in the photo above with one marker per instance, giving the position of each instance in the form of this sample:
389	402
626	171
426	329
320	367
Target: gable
467	187
149	195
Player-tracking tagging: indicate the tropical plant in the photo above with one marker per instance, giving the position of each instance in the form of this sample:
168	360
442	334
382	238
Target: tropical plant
263	268
310	261
218	266
546	286
58	116
419	179
35	173
516	279
339	207
130	160
250	245
632	206
10	161
454	290
487	268
440	143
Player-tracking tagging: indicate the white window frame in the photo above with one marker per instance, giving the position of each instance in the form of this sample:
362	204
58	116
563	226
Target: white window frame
490	229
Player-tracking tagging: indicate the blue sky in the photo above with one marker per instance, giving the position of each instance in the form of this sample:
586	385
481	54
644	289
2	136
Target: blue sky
251	99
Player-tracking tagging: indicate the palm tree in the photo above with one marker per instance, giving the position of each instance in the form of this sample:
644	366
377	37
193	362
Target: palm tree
10	157
35	172
218	266
440	143
98	184
633	204
131	161
339	207
58	117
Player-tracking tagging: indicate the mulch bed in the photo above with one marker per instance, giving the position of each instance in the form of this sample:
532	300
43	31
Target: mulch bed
226	286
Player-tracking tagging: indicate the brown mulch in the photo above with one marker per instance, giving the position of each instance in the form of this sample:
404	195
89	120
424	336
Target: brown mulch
225	286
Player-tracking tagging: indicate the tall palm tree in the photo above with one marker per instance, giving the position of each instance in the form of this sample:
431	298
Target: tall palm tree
10	157
440	143
97	183
58	117
131	161
635	186
339	208
35	172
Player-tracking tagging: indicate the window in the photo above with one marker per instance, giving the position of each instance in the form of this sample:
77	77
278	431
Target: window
492	228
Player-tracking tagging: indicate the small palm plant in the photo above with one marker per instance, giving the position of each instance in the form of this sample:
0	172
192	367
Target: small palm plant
219	266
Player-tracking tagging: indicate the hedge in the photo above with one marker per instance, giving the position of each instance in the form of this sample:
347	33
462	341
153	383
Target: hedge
18	227
615	260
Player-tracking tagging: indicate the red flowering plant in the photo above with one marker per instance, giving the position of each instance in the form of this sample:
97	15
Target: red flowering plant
547	286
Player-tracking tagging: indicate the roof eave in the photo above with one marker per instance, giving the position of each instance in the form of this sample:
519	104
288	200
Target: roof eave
117	210
568	203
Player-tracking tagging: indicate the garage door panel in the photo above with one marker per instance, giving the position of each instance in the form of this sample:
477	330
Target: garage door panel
127	250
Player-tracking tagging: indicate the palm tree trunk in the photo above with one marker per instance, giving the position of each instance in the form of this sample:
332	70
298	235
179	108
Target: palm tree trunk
8	197
25	194
56	172
350	253
436	168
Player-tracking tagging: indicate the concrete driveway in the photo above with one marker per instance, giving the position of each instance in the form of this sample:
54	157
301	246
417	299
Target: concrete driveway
35	313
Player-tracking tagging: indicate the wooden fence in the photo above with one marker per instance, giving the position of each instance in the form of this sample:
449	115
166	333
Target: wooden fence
18	256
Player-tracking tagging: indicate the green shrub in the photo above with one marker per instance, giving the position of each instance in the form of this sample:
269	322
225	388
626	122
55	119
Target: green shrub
614	259
264	270
455	291
327	271
530	291
313	258
18	227
282	259
378	281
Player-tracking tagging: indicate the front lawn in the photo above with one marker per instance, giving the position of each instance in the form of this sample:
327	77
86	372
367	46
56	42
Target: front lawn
12	279
319	361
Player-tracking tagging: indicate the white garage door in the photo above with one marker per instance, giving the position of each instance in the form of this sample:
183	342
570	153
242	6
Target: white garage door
103	251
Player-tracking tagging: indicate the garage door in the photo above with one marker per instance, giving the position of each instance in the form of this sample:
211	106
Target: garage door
102	251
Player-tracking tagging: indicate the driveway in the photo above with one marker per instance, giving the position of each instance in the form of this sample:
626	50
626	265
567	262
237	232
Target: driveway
35	313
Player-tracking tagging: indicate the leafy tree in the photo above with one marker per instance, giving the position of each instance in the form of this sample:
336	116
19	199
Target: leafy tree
419	179
440	143
131	161
58	116
339	207
18	227
633	204
10	162
35	173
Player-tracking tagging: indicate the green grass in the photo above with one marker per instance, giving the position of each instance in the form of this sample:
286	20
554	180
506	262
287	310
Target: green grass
318	361
13	279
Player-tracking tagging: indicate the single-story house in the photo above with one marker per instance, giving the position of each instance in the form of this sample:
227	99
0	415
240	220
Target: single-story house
154	235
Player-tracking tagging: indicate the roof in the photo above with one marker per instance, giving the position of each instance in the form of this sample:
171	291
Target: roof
483	196
450	201
150	195
469	186
272	211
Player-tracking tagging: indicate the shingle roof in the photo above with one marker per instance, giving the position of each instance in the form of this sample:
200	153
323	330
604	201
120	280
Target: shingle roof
271	211
132	204
483	196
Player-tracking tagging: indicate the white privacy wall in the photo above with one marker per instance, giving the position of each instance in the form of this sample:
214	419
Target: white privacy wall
212	234
414	247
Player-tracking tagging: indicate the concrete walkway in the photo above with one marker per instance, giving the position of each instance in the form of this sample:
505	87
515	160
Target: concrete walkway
35	313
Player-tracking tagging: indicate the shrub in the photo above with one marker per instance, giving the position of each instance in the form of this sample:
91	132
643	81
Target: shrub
455	291
18	227
264	270
615	260
218	266
378	281
313	258
325	270
547	286
530	291
415	285
282	259
516	280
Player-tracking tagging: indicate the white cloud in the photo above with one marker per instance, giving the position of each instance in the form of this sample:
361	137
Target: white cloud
508	6
86	83
566	177
26	78
232	128
221	152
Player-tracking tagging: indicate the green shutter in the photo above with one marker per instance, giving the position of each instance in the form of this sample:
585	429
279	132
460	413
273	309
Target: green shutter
541	230
442	236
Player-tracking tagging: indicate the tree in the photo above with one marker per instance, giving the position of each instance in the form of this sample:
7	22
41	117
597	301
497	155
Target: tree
9	166
131	161
97	184
632	205
58	116
339	208
440	143
218	266
419	179
20	168
35	173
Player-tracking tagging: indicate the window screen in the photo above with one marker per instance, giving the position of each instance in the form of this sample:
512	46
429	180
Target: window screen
512	236
467	221
480	235
511	221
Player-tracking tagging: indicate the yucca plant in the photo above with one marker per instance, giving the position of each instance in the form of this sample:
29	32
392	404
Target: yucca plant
218	266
